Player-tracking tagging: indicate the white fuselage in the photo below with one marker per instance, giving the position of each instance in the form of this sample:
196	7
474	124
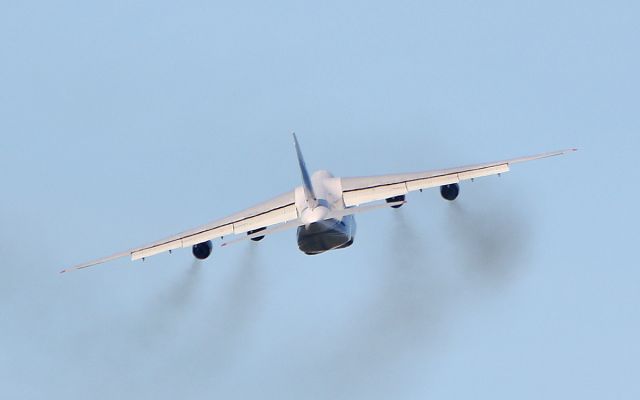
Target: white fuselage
319	234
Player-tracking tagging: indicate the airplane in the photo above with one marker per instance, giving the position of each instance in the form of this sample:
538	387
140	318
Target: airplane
322	209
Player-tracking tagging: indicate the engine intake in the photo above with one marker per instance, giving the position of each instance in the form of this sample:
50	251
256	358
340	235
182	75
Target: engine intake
450	192
202	251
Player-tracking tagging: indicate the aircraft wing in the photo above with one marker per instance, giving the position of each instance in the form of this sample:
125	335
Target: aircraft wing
357	191
279	210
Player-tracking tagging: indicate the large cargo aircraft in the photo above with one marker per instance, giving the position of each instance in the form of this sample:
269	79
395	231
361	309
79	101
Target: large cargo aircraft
322	209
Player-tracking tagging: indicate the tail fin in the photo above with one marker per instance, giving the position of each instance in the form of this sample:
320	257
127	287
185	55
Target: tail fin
312	200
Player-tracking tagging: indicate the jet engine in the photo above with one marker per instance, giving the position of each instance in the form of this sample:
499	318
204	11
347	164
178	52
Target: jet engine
257	238
450	192
202	251
395	200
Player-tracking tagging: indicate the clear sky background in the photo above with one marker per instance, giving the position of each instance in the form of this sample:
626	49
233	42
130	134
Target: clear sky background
125	121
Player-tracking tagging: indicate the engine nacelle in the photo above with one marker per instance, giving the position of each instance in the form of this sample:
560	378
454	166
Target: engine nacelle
257	238
395	200
450	192
202	251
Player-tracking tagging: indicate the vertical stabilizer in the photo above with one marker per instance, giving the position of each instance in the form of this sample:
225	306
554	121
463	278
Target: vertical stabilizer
312	200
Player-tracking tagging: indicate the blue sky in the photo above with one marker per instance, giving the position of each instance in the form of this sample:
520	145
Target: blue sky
123	122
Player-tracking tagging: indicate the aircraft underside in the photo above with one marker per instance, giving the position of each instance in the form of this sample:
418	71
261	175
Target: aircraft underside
323	236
